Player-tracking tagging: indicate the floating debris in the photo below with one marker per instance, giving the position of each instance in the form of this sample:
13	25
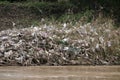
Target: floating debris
52	45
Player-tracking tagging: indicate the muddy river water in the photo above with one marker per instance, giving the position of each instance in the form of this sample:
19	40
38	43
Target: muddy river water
60	73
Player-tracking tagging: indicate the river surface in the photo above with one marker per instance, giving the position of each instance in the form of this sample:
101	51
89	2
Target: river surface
60	73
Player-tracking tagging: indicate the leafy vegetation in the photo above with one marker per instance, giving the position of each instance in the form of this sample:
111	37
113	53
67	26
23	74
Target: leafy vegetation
58	7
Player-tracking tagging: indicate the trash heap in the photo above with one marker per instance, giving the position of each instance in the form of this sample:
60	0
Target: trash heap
63	45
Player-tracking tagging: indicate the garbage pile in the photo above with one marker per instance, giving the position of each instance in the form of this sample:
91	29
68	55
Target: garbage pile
59	45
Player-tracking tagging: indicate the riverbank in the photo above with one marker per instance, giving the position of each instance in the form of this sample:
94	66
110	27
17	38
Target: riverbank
25	14
27	38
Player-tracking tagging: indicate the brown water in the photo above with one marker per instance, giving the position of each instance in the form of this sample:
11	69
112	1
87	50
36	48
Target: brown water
60	73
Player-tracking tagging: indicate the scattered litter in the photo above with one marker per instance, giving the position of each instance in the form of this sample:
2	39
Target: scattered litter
52	45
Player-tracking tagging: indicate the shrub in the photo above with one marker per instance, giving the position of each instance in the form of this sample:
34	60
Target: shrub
47	8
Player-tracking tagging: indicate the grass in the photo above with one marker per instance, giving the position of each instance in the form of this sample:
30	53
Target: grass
54	11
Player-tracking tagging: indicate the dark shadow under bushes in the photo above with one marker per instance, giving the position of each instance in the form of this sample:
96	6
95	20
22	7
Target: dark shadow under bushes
108	8
48	9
